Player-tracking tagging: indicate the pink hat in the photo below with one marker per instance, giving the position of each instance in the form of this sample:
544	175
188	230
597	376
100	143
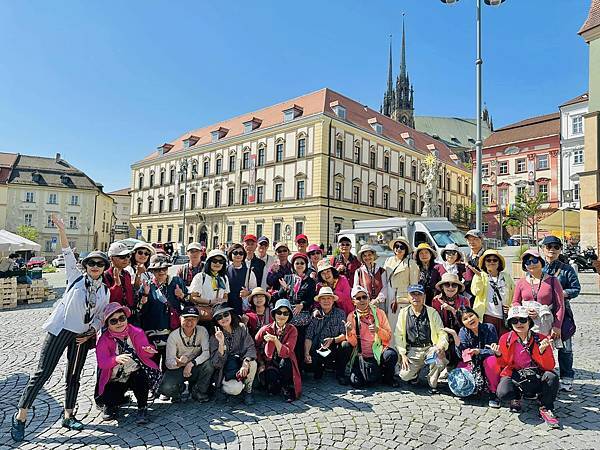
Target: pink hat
112	308
314	248
299	255
301	236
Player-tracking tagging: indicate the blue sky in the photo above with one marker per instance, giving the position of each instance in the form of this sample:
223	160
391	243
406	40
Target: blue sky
105	82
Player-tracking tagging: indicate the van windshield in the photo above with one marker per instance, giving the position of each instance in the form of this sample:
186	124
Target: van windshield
443	238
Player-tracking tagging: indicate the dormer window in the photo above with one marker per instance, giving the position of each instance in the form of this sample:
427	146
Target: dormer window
409	141
292	113
338	109
165	148
190	141
251	124
217	134
376	125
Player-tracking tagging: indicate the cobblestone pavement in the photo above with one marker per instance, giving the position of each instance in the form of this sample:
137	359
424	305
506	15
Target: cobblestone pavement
327	416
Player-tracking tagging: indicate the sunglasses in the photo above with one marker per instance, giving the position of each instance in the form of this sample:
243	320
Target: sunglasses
282	250
344	244
95	263
361	298
121	256
160	269
399	247
301	241
492	260
222	316
531	261
313	253
452	285
282	312
553	246
237	253
516	320
263	244
218	261
299	263
451	252
140	252
115	320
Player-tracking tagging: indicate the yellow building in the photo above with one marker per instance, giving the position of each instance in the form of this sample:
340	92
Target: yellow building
311	165
103	220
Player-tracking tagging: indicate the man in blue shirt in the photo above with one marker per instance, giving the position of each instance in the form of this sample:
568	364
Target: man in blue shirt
570	283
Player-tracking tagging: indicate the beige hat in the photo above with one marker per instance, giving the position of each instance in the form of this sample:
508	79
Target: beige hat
450	278
326	291
258	291
403	240
366	248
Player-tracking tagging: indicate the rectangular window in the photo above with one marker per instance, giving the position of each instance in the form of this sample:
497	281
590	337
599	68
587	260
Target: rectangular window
413	206
277	232
279	152
299	228
74	200
300	190
485	226
52	199
356	194
338	190
485	197
357	154
260	194
485	170
150	206
230	196
503	168
371	197
217	199
48	246
139	208
170	204
459	186
219	166
467	188
520	191
161	204
229	237
401	203
577	125
246	160
169	234
162	177
261	157
301	148
29	198
181	202
576	192
386	200
28	219
542	162
244	197
339	148
151	179
372	160
413	171
503	197
72	222
401	169
448	183
578	157
543	190
278	192
206	168
232	163
180	234
259	229
159	235
521	165
243	231
172	175
149	234
386	163
205	200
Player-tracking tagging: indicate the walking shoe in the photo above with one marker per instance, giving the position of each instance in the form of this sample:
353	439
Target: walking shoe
249	399
433	391
515	406
289	395
414	381
141	418
174	399
110	413
494	402
549	418
566	384
163	397
200	397
72	423
17	429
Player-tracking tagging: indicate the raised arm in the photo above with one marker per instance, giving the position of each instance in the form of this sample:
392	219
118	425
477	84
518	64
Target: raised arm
70	262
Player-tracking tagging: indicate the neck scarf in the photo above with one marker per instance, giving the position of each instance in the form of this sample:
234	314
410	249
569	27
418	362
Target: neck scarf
122	335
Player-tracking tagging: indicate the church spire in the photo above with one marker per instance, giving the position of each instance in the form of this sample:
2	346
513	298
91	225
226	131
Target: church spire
403	59
389	98
390	85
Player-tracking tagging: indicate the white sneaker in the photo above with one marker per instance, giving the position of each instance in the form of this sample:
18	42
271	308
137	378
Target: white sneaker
566	385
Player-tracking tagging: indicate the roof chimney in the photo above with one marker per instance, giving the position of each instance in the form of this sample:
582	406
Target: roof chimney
57	159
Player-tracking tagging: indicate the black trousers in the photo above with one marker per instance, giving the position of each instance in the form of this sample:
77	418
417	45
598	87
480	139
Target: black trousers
278	376
114	391
339	356
52	350
387	365
547	389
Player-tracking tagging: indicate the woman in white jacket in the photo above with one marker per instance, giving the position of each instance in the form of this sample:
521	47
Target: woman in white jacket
73	325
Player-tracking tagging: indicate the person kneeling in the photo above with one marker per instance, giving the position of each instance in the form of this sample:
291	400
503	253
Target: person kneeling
187	359
324	337
368	331
233	354
421	339
125	362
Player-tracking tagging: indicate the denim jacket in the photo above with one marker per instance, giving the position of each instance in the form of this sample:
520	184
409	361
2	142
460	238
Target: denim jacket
487	335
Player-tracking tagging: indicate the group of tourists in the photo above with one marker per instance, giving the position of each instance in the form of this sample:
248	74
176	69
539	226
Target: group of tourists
230	322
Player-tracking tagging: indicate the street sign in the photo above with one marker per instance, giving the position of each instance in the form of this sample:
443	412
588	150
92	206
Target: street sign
138	233
53	243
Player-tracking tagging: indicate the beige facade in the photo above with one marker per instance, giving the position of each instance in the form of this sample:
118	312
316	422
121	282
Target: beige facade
103	221
315	174
122	228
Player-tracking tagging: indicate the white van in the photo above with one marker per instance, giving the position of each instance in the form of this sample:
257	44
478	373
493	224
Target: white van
436	231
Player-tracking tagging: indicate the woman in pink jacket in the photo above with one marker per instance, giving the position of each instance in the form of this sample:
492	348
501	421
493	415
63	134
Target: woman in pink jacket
125	362
327	275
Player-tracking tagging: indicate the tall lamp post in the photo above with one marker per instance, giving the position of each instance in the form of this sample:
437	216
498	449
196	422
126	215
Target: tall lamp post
479	141
183	170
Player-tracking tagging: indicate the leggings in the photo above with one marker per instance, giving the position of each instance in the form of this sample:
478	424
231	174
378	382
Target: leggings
52	349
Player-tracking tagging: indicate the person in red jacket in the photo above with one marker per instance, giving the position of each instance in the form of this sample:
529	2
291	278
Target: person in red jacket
116	278
526	364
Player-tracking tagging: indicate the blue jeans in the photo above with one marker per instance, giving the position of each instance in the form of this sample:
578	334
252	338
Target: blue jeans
565	359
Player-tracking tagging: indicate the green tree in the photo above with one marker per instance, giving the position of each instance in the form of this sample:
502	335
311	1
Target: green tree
28	232
526	213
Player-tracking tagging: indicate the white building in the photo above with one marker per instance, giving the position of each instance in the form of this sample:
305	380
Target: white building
571	149
122	214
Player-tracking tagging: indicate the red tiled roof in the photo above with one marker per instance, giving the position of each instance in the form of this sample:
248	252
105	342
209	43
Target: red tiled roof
534	127
7	163
578	99
124	191
319	102
593	19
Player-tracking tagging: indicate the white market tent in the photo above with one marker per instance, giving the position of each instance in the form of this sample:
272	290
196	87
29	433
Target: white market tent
10	242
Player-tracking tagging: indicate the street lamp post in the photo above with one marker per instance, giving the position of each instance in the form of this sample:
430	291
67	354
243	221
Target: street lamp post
183	170
479	140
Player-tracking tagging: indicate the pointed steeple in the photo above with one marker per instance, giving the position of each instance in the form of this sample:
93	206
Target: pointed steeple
389	98
390	84
403	59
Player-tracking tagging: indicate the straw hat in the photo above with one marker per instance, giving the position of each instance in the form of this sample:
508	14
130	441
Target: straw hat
326	291
402	240
450	278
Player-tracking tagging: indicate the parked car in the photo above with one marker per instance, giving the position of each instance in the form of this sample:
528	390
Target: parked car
36	261
59	261
521	239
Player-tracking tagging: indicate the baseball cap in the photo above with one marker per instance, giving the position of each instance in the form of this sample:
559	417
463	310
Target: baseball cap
250	237
190	311
415	288
551	240
475	233
118	249
301	236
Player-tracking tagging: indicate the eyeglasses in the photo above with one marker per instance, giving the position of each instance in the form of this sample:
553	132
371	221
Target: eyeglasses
492	260
115	320
218	261
361	298
121	256
302	241
282	312
451	285
222	316
313	253
282	250
142	253
516	320
553	246
95	263
532	260
237	253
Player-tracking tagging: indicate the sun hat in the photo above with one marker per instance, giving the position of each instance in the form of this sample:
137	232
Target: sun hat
216	252
451	248
118	249
366	248
533	253
280	245
326	291
517	311
190	311
313	248
475	233
495	253
402	240
358	288
232	387
323	265
220	309
461	382
412	288
98	255
299	255
424	246
159	262
145	245
450	278
283	303
112	308
258	291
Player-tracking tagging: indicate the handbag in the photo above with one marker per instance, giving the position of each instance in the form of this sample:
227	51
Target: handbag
368	367
153	376
528	380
